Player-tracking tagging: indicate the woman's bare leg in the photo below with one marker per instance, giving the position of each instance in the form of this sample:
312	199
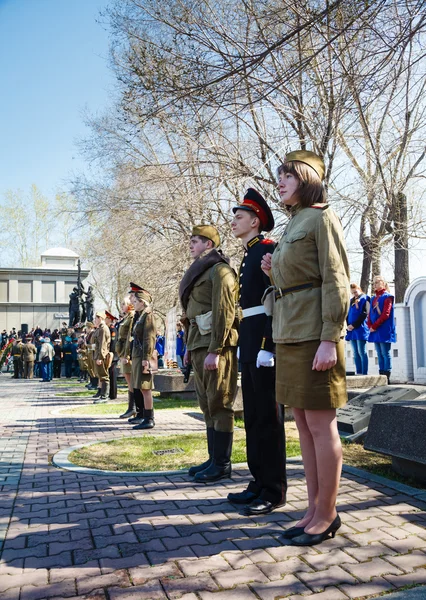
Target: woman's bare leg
322	425
147	399
309	463
127	378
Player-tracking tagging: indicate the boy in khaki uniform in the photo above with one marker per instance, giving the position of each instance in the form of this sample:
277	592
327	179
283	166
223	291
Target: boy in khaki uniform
101	338
207	293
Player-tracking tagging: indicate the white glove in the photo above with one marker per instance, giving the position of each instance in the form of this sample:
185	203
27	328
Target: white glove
265	359
238	353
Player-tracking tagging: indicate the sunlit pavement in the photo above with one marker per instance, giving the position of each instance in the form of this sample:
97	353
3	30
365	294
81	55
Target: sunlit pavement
71	535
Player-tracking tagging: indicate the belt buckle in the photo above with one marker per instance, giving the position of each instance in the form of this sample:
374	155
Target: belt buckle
278	294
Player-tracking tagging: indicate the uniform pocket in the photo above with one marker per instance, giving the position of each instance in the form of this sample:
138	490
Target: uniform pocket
296	236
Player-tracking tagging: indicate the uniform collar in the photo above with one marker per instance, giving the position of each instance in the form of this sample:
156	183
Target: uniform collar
254	241
293	210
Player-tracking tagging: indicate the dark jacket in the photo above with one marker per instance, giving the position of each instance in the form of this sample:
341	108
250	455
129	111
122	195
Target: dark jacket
255	331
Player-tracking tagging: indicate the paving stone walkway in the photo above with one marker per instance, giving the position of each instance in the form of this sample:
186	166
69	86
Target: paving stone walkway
71	535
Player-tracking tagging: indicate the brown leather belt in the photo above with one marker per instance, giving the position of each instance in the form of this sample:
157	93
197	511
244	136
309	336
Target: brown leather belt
280	293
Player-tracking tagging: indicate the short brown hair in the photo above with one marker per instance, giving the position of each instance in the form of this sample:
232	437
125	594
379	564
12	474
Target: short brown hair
311	190
204	239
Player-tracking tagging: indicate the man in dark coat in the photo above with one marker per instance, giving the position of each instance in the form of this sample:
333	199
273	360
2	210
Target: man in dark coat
263	418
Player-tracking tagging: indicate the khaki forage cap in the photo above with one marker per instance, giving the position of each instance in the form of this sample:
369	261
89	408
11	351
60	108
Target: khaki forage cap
208	231
309	158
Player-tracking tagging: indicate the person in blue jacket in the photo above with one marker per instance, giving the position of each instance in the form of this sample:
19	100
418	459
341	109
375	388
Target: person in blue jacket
357	329
67	352
160	343
381	323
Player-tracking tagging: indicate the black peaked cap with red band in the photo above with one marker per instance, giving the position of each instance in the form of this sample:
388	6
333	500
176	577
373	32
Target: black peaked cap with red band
256	203
110	316
134	287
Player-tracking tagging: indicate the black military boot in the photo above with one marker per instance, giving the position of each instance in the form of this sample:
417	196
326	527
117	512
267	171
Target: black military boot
131	408
387	373
97	395
139	406
103	398
210	445
93	385
220	466
148	420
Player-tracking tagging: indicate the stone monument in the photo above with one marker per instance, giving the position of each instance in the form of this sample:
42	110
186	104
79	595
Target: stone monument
355	416
398	429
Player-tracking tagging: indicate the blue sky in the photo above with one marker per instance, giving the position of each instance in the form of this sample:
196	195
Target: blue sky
53	66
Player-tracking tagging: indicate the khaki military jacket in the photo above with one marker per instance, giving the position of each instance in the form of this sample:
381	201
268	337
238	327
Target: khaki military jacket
82	356
102	339
29	352
16	351
312	250
215	290
122	346
144	334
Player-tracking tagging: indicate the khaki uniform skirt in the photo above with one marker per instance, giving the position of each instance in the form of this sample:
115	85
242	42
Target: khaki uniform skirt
125	367
298	386
140	380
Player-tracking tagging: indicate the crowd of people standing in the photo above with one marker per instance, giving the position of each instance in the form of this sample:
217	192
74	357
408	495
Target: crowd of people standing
43	353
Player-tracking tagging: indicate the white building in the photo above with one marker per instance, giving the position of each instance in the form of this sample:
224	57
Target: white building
409	351
40	295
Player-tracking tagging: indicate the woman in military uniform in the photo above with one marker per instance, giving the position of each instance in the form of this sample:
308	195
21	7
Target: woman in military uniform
90	332
143	345
311	274
123	350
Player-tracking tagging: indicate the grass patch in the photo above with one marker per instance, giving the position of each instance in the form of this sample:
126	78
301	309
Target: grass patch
136	454
81	393
121	407
355	455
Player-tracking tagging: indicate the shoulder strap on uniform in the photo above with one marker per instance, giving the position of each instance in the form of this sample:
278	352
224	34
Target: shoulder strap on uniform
320	205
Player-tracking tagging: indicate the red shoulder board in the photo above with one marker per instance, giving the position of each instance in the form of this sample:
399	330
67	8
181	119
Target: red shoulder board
267	241
321	206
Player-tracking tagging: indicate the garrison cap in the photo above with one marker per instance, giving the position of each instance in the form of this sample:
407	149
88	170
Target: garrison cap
207	231
101	314
256	203
110	316
308	158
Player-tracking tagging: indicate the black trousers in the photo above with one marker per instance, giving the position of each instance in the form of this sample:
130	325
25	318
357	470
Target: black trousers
112	381
265	434
57	368
68	368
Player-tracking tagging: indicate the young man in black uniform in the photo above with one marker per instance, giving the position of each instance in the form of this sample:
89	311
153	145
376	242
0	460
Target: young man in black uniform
263	417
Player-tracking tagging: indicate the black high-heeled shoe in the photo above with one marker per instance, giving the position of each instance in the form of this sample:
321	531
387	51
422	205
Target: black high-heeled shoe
293	532
312	539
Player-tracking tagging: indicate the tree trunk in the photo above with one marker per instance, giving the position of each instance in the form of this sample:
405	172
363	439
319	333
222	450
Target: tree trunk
366	270
400	244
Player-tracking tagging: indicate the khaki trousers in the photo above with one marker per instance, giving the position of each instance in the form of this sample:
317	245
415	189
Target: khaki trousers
28	369
90	364
216	390
101	371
